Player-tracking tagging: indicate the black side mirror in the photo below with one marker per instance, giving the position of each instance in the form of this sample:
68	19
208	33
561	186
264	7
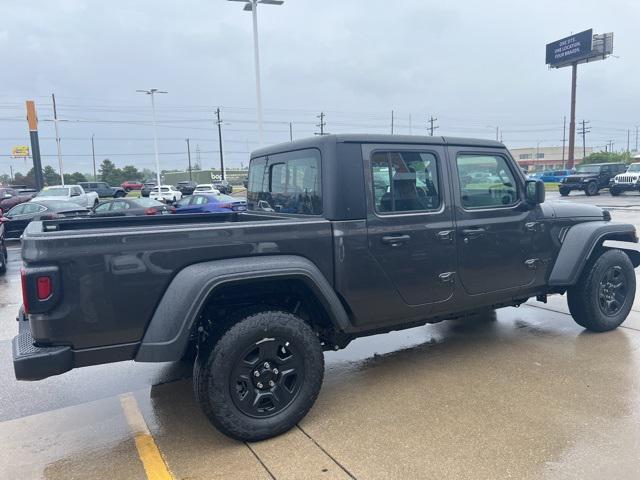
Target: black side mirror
534	191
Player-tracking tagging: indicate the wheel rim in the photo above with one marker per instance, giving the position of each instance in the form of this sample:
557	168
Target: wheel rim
593	188
612	291
267	377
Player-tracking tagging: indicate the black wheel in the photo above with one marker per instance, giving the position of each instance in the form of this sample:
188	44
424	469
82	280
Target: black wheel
603	297
614	192
3	261
591	189
261	377
564	191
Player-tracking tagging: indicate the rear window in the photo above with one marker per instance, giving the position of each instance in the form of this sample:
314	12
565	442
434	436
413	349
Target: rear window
148	202
286	183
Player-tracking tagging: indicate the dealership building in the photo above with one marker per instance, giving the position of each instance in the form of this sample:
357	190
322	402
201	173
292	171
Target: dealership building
536	159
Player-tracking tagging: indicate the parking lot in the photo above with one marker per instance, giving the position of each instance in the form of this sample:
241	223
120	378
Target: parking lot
525	393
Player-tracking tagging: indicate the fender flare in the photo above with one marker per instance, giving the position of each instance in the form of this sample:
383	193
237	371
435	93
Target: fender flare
579	243
167	335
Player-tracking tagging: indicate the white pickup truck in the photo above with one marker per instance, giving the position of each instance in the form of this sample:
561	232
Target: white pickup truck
70	193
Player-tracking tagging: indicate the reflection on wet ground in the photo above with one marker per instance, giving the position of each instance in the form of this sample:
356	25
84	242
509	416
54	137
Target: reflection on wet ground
526	394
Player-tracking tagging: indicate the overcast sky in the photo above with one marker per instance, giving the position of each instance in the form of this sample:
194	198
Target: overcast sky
473	65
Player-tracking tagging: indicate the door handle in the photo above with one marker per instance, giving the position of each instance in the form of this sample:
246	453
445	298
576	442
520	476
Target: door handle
473	233
395	240
447	277
445	235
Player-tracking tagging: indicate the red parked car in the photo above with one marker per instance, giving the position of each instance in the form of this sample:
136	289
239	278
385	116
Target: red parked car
131	185
10	197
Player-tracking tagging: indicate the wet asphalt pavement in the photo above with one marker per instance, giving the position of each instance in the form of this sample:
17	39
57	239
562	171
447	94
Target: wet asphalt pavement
525	393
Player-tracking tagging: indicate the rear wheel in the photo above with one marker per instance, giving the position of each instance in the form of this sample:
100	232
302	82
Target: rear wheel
261	376
604	294
591	189
3	261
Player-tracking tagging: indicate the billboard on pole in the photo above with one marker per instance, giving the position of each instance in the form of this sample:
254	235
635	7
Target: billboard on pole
20	151
570	49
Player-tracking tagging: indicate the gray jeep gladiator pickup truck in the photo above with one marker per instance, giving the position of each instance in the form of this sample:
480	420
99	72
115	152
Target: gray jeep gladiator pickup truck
345	236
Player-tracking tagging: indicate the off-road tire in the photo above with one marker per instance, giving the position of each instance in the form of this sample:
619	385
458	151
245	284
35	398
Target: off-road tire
584	297
3	262
614	192
591	189
564	191
214	366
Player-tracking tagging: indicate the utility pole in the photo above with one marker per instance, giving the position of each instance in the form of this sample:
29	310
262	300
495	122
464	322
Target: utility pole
322	123
219	122
189	158
572	118
431	126
497	132
290	132
93	154
564	139
583	131
198	164
55	124
391	122
636	138
410	126
628	137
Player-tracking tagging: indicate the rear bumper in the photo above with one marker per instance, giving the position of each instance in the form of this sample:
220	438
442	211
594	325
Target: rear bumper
31	362
35	363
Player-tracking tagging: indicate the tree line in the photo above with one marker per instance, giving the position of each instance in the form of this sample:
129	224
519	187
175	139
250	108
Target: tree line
108	172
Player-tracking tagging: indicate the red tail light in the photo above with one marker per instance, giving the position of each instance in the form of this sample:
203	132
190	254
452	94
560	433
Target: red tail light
3	219
172	209
45	288
150	211
25	297
225	205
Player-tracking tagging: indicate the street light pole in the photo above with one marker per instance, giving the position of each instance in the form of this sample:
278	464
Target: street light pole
55	124
189	157
152	93
93	154
252	6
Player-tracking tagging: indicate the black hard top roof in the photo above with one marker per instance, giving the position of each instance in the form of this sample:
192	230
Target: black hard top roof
310	142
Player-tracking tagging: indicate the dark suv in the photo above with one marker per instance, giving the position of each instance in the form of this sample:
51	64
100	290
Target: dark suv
186	187
591	178
103	189
224	186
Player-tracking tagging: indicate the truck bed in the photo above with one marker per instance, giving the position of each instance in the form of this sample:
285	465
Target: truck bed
114	271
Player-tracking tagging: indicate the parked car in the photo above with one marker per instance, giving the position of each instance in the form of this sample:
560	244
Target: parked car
259	295
71	193
131	185
534	175
166	193
627	181
555	176
103	189
17	219
223	186
3	249
10	197
131	207
186	187
146	188
206	188
590	178
210	203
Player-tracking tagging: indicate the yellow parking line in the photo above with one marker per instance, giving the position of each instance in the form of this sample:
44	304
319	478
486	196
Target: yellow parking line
154	465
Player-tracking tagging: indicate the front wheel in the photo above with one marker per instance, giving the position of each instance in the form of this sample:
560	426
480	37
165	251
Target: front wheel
604	294
261	377
564	191
591	189
614	191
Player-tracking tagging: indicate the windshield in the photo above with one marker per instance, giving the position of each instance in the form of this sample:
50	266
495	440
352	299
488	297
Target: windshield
634	167
54	192
588	169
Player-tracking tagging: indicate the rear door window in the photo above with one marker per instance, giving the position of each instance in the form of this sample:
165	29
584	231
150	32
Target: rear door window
286	182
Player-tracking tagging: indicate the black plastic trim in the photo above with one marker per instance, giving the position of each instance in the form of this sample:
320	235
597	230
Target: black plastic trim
167	335
577	246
